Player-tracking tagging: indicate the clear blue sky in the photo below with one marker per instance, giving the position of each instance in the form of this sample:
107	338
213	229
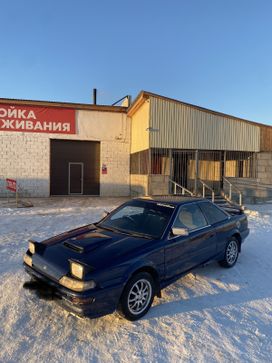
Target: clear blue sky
213	53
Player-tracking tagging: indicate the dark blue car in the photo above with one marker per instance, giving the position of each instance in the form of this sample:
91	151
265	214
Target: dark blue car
128	257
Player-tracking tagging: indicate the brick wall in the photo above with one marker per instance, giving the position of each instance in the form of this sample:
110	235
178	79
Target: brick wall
154	184
116	157
255	190
138	185
159	184
26	156
264	167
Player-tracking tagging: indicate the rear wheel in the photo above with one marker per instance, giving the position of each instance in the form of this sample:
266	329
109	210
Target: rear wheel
137	296
231	253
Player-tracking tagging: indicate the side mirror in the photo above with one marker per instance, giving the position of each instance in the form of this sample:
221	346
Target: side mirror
105	214
180	231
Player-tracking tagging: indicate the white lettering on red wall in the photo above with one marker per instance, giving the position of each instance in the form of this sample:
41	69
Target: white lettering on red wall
37	119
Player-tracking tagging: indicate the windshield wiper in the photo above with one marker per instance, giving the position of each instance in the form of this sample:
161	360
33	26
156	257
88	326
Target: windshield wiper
139	234
125	231
112	229
107	228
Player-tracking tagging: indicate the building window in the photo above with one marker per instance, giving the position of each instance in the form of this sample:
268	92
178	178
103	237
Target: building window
240	164
139	162
160	161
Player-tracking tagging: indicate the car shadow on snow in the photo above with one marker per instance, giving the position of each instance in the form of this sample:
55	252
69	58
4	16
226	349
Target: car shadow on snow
208	288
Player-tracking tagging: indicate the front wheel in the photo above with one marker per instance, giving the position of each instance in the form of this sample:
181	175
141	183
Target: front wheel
137	296
231	253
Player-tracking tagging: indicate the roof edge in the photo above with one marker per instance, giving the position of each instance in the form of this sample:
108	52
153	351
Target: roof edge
137	103
77	106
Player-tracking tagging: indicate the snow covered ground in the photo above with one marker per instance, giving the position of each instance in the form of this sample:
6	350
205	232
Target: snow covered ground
211	315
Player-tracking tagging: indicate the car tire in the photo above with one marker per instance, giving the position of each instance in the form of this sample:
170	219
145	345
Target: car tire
137	297
231	253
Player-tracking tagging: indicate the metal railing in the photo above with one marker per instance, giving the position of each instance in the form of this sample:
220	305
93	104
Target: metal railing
204	187
183	189
231	188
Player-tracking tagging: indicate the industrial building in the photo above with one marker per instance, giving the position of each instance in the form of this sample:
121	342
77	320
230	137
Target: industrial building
156	145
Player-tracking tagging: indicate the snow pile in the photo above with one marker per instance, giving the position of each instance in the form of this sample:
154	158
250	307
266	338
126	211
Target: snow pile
210	315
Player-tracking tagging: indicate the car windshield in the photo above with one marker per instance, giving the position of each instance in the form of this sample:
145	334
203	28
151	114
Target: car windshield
147	219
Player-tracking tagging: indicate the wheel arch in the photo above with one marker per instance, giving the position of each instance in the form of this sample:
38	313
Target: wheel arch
237	236
153	272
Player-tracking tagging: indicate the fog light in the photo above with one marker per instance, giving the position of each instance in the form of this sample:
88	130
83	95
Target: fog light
28	260
86	301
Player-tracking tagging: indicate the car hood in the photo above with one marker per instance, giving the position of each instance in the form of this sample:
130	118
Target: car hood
95	247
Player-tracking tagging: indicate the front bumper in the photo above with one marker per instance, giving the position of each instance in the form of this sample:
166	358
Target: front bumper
91	303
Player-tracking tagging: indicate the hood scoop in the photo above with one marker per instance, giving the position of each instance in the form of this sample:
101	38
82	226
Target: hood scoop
86	242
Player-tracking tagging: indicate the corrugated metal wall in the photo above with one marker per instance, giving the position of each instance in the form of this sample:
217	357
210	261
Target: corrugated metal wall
180	126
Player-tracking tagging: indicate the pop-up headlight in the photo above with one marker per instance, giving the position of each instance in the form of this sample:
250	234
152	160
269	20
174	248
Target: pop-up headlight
77	270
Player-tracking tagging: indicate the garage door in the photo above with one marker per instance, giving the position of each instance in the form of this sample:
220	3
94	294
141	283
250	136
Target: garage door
74	167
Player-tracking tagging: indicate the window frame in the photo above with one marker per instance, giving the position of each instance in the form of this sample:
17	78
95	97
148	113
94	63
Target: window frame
189	230
142	200
214	206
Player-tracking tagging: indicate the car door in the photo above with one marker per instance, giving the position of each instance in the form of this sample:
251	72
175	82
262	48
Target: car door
220	222
185	252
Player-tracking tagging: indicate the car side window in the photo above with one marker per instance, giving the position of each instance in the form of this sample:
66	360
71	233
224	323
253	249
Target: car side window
212	212
190	216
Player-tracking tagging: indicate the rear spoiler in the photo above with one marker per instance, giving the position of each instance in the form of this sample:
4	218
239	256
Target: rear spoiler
233	209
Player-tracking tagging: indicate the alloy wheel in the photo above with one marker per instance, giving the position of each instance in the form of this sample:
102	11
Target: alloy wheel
139	296
232	252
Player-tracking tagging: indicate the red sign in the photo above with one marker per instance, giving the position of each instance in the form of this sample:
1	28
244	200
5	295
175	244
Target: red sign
49	120
11	185
104	169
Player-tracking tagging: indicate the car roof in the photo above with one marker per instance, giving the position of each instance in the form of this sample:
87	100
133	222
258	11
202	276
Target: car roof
171	199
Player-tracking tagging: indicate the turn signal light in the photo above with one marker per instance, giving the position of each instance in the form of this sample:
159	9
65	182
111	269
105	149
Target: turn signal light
76	285
31	247
28	260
